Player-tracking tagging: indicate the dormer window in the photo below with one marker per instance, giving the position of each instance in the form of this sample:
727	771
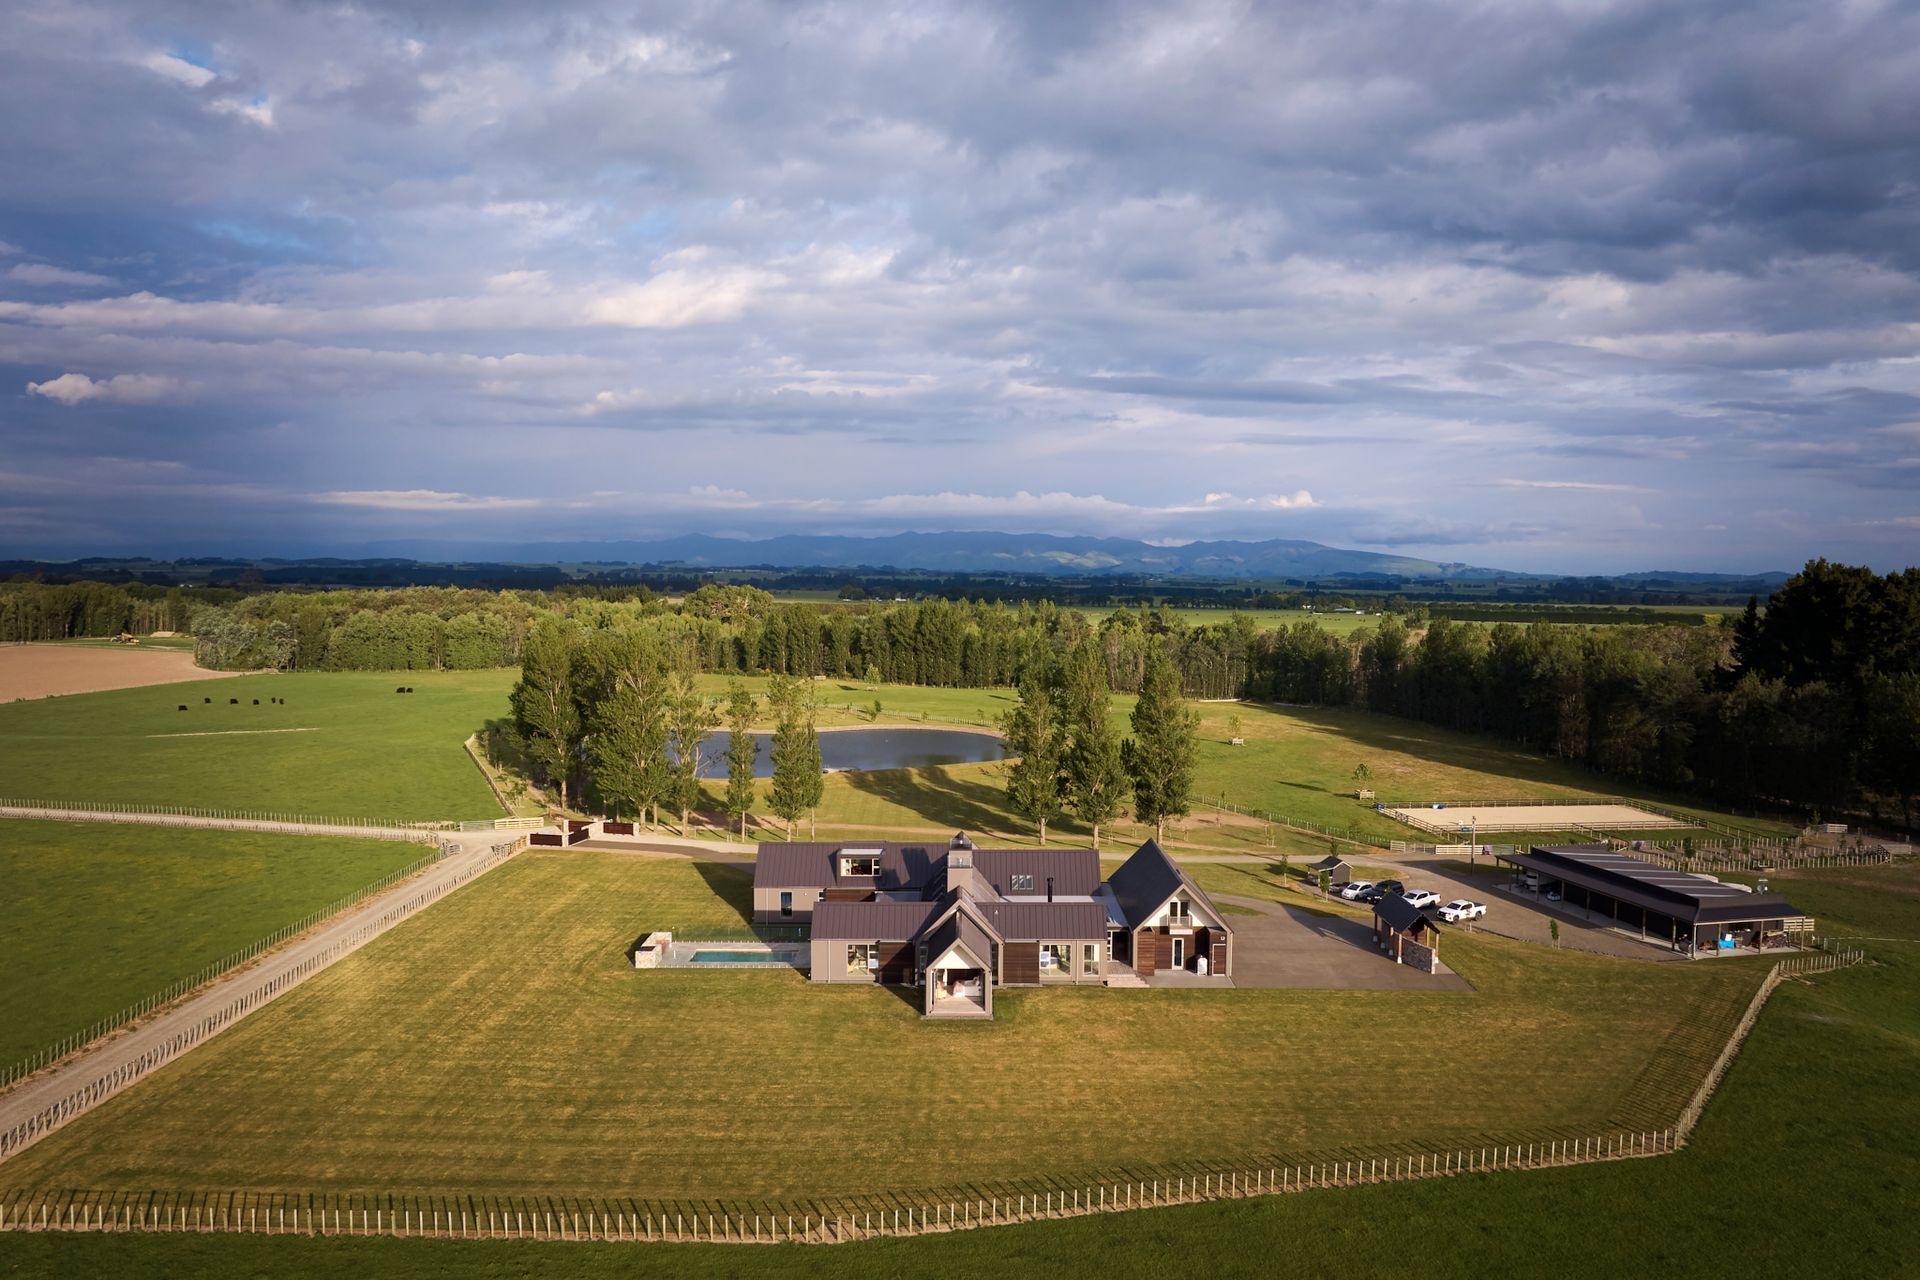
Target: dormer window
860	864
1020	882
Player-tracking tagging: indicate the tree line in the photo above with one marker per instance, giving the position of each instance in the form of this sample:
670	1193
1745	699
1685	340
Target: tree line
615	721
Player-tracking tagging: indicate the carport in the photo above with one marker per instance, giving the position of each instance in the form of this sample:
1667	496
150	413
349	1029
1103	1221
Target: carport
1692	913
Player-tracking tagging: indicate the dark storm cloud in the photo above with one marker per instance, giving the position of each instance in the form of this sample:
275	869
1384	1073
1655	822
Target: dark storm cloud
604	268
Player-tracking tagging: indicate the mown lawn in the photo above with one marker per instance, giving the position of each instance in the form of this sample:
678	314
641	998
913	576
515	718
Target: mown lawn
343	745
1808	1158
499	1045
100	916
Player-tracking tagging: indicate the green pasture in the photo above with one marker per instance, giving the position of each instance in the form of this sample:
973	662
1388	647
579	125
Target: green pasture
1808	1155
100	916
343	745
499	1044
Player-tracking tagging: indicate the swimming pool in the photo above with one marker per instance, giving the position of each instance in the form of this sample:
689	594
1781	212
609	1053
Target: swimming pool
733	957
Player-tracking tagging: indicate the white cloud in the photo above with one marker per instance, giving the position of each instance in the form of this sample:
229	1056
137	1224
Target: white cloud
42	273
419	500
1591	486
259	110
178	70
128	388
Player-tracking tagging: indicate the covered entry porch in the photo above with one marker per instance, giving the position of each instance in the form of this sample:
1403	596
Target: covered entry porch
957	978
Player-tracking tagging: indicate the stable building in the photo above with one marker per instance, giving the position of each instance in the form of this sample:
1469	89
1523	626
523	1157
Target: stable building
960	921
1685	910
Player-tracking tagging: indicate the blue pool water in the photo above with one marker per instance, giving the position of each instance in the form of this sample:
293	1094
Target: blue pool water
733	957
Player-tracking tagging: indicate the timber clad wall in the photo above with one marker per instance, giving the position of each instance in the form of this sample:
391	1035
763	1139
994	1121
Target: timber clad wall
1143	956
849	895
1219	956
896	963
1020	962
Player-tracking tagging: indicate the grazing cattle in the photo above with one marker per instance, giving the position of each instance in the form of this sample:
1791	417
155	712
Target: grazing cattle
183	706
233	702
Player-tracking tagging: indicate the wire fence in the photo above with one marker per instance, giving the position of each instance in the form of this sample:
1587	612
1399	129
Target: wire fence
833	1220
191	817
1299	824
95	1085
207	973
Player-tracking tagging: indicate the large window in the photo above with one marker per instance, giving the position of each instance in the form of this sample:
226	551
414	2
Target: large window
1020	882
1090	958
1179	911
860	959
863	865
786	902
1056	958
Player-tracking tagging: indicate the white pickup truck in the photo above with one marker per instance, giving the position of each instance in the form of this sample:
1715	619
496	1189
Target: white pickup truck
1461	909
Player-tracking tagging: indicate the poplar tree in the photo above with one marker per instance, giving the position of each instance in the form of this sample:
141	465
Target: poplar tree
797	784
741	749
1160	754
628	720
1096	773
544	701
690	721
1035	737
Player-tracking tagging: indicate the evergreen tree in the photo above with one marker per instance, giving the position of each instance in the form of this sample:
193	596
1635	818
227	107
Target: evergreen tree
628	718
1036	738
741	748
1096	773
543	701
689	723
1160	754
797	785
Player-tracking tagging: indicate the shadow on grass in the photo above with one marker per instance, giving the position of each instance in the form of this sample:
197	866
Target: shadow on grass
731	885
936	795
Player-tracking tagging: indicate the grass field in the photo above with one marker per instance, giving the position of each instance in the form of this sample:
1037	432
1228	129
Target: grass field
343	745
100	916
1808	1156
499	1045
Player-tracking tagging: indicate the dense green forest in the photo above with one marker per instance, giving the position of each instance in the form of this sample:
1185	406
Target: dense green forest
1813	702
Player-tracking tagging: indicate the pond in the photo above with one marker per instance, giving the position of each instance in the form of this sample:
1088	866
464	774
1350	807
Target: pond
858	750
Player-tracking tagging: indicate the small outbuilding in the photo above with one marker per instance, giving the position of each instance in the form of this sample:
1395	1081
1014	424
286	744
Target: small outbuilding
1339	869
1409	934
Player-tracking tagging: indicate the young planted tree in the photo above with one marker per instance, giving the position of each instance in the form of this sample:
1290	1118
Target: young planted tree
1160	754
741	748
1096	773
627	714
1035	738
690	722
797	784
544	702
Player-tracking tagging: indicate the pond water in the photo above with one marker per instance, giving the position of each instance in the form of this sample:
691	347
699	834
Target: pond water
864	749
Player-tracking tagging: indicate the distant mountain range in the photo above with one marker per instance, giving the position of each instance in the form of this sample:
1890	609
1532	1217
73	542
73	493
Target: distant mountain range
1021	553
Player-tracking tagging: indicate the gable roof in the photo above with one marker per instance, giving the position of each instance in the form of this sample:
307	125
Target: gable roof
1144	882
1402	915
960	929
1329	863
918	865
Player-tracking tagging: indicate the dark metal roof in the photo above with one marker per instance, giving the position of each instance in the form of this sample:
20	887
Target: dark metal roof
1329	863
1046	921
815	864
872	921
1075	872
960	927
1402	915
1013	921
1145	881
1680	894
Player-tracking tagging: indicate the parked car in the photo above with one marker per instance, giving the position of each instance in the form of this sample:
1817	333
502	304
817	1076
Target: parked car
1462	909
1421	897
1382	890
1553	894
1357	890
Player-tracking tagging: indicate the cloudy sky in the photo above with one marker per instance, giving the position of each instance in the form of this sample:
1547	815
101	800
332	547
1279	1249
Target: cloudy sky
1577	286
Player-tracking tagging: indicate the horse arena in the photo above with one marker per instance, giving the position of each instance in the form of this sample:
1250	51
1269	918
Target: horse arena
1609	815
48	670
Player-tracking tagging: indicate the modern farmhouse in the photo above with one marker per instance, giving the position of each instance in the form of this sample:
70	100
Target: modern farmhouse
960	922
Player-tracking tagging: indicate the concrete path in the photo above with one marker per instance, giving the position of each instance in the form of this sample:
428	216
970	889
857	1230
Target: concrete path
44	1102
417	835
1291	948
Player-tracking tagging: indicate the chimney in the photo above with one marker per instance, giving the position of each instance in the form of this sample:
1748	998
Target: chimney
1049	888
